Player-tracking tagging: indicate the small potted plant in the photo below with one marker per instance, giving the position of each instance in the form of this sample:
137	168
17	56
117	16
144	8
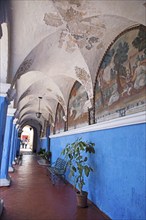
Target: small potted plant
76	155
46	155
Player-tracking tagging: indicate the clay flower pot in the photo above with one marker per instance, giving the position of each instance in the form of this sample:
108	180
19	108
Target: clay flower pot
82	199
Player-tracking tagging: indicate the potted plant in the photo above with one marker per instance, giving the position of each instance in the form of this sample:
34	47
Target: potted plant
46	155
76	155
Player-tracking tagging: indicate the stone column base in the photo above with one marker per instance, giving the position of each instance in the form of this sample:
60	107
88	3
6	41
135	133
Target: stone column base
11	169
5	182
14	163
1	206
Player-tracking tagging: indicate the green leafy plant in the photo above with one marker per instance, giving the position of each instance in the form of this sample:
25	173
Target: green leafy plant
41	151
45	154
76	155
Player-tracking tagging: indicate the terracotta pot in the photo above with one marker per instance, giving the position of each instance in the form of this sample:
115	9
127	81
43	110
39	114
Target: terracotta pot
82	199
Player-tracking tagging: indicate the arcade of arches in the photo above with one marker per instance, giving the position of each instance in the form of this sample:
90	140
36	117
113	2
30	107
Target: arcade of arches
77	68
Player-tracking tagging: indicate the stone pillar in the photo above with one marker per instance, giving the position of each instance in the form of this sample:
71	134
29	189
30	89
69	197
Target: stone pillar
3	112
48	134
11	168
4	101
15	143
4	55
4	177
11	112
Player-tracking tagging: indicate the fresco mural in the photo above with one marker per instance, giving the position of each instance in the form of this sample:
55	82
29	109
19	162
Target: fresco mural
120	87
77	107
59	122
52	126
52	130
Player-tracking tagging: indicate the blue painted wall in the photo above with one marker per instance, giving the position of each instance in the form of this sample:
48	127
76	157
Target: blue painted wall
3	115
15	143
11	157
6	148
44	143
117	185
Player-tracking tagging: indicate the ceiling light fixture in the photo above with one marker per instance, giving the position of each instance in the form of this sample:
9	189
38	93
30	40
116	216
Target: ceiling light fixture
38	114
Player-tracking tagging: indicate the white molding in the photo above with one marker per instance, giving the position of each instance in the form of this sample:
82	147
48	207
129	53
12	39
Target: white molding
17	126
11	111
4	87
43	138
136	118
15	121
5	182
3	94
11	169
13	163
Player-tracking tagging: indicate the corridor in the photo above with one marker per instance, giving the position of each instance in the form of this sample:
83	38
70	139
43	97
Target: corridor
31	196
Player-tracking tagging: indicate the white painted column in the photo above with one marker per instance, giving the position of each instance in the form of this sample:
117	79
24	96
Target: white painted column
11	160
4	54
4	101
13	142
11	112
4	177
3	75
3	113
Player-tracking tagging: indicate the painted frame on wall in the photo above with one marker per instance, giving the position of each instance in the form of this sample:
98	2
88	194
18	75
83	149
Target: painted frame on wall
52	130
120	84
91	116
59	121
51	124
77	111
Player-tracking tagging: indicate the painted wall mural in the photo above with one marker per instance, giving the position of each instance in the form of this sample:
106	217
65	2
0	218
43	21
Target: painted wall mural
120	87
52	126
52	130
62	102
59	121
77	107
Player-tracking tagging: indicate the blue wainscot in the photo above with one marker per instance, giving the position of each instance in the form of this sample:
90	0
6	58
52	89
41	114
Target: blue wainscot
117	185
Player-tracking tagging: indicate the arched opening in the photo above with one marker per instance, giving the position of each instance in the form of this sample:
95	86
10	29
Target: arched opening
27	139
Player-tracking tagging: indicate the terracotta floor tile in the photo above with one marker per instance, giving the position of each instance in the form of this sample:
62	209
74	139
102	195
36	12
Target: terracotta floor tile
32	196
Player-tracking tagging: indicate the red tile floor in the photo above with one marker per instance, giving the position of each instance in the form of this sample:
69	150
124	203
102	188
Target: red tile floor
32	196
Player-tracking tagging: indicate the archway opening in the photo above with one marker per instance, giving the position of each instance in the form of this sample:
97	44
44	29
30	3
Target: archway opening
27	137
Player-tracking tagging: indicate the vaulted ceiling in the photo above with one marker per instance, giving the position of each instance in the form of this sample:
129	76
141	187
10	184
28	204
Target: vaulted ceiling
53	43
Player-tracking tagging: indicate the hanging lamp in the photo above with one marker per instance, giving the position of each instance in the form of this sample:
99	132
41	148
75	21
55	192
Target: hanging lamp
38	114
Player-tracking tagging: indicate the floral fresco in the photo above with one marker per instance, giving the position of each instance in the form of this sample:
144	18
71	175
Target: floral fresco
120	87
59	121
77	107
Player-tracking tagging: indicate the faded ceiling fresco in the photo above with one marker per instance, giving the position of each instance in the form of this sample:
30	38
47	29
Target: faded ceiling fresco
55	43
